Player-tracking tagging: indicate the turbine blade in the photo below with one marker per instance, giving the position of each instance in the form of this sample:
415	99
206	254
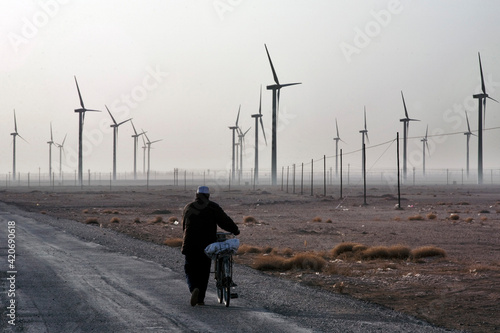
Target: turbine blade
246	132
51	136
428	150
22	138
62	144
426	131
367	138
493	99
155	141
337	126
238	117
263	132
272	67
113	118
123	122
15	122
365	119
135	132
483	87
289	84
260	101
79	94
468	125
404	104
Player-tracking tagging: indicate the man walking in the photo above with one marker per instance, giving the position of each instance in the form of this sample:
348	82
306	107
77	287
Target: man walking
199	224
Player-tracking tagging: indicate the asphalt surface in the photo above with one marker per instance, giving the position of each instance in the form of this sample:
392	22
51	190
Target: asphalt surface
71	277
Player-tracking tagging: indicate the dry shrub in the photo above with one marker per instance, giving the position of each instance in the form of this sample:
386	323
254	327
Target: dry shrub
43	212
115	220
376	252
307	260
173	242
173	219
484	211
417	217
328	221
137	220
270	263
399	252
85	211
116	212
244	248
250	219
157	219
317	219
346	247
91	220
427	251
397	218
469	219
287	252
454	217
483	218
431	216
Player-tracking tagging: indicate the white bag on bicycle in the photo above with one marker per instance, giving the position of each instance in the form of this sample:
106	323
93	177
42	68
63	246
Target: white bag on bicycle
227	246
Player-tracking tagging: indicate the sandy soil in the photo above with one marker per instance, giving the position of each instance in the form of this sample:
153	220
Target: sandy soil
460	291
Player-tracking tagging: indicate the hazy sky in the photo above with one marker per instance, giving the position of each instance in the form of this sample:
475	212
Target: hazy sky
181	69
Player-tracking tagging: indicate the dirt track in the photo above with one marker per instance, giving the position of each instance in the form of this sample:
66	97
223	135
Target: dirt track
459	291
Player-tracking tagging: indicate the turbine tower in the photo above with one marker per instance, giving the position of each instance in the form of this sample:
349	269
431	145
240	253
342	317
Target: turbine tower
425	144
14	134
50	143
61	149
258	117
234	128
481	105
81	114
364	132
136	139
115	138
337	139
276	88
406	128
148	144
241	137
468	134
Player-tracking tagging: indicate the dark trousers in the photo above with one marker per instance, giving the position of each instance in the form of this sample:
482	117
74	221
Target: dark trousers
197	269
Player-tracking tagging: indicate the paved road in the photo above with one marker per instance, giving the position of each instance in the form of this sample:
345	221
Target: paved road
77	278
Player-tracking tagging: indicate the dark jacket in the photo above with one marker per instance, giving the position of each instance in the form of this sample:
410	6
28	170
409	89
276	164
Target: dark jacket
199	223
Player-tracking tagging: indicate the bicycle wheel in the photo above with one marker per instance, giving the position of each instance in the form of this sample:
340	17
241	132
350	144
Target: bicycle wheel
219	279
228	274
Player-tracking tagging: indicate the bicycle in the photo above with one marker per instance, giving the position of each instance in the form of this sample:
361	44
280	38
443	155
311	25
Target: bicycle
224	272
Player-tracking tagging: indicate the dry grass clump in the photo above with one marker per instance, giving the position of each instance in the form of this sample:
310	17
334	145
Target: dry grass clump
91	220
287	252
431	216
346	247
483	218
157	219
317	219
306	260
250	220
328	221
427	251
454	217
137	220
43	212
85	211
417	217
173	242
114	220
107	211
244	248
397	218
173	219
469	220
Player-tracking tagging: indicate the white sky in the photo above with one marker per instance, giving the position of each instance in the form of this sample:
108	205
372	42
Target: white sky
209	58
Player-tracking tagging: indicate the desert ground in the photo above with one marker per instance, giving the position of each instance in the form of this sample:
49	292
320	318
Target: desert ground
456	286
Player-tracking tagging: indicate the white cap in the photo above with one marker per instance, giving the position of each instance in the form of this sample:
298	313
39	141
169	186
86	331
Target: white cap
203	189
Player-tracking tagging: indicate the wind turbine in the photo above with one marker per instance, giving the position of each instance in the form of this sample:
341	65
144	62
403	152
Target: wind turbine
241	137
136	138
258	117
81	113
276	88
406	127
148	144
61	149
481	105
234	128
14	134
337	139
425	144
51	142
468	133
115	137
364	133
